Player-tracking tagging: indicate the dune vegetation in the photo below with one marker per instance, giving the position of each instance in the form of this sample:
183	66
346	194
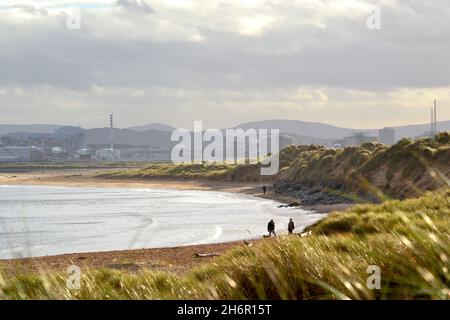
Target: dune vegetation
372	172
407	240
239	172
169	170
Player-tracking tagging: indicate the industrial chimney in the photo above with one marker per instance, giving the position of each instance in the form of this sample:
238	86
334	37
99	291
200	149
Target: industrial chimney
432	121
111	130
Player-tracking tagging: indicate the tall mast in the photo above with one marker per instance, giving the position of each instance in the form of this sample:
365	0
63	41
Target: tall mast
111	130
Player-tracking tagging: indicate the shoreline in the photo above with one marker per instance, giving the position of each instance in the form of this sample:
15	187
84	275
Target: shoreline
83	178
178	259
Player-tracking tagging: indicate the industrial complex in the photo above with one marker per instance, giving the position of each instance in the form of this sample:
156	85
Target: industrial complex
71	143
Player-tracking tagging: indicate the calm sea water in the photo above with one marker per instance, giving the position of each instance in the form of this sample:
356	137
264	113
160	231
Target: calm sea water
43	220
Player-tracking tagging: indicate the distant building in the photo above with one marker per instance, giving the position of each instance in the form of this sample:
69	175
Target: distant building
387	136
107	154
357	139
20	154
145	153
84	154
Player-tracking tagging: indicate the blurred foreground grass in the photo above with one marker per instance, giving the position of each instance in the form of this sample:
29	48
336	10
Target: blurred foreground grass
408	240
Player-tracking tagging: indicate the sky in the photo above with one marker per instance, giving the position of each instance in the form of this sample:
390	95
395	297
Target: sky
224	62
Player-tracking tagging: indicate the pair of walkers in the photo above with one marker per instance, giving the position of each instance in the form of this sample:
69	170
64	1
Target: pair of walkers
271	227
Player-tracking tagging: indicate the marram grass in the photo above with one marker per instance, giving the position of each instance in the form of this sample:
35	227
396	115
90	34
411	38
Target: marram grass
371	171
408	240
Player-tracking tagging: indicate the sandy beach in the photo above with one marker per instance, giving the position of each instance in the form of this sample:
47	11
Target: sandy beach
177	259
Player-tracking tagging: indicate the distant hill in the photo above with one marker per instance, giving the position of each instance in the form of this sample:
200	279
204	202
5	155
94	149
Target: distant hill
301	128
324	131
153	126
415	130
30	128
158	134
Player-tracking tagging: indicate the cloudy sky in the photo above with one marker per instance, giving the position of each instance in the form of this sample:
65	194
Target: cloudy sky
224	62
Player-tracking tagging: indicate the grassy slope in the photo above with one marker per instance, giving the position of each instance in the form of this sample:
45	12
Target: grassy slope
408	240
406	169
168	170
210	171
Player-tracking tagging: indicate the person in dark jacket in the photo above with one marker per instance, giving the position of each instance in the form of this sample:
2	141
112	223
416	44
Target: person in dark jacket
264	189
291	226
271	228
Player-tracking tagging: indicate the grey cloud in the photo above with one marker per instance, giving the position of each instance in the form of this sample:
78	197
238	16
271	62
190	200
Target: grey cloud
408	51
135	5
30	9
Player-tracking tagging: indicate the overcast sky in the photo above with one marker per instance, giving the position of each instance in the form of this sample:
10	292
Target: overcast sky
223	62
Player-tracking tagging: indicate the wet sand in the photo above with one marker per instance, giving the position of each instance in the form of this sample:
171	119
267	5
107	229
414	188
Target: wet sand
177	260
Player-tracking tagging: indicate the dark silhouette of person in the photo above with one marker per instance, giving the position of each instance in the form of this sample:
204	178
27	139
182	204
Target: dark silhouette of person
291	226
264	189
271	228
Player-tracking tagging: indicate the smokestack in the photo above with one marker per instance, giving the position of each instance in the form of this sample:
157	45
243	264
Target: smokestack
432	121
111	130
42	147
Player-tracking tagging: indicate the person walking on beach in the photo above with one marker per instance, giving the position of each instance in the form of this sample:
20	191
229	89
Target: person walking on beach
271	228
264	189
291	226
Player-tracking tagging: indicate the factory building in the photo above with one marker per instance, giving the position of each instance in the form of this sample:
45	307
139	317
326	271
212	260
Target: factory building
108	154
357	139
386	136
20	154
